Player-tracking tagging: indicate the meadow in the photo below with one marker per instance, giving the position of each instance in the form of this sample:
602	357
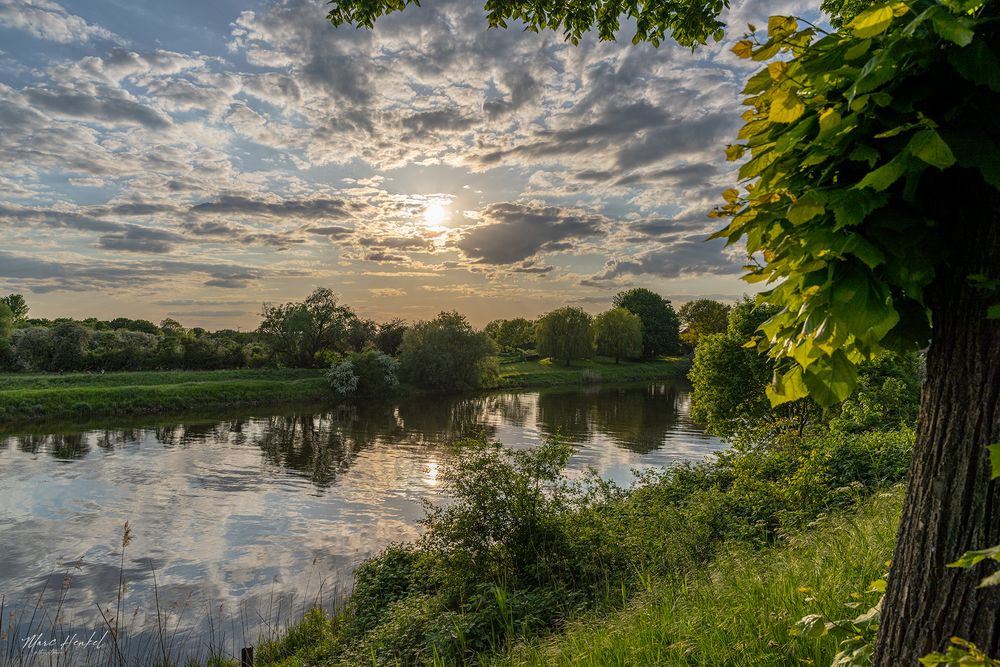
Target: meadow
40	396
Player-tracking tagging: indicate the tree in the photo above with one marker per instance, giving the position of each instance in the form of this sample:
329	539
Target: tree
729	380
701	317
618	333
390	336
871	200
360	333
515	335
875	212
688	22
18	306
564	334
660	324
298	331
446	353
6	333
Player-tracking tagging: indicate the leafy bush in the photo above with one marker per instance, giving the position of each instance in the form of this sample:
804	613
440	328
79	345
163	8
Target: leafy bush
446	353
368	373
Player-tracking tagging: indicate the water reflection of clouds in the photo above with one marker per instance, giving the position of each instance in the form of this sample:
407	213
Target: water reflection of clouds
257	505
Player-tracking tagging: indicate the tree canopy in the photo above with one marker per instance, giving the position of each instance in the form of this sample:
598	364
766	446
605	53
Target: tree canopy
688	22
17	305
701	317
618	334
298	331
564	334
846	147
446	353
660	324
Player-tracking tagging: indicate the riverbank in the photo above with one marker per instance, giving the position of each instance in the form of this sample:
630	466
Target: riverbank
703	564
740	609
549	373
26	397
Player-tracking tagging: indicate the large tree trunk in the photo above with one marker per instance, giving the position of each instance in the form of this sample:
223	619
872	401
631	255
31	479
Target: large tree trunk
951	505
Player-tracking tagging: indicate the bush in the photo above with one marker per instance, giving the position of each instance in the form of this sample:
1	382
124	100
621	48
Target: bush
446	353
368	373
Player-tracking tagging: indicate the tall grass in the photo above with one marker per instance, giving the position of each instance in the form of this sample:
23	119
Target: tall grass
738	609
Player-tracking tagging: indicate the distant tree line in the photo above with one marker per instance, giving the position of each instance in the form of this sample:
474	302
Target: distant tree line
363	356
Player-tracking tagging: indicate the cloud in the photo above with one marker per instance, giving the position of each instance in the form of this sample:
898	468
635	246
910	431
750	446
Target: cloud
513	233
687	257
44	19
78	274
140	239
311	209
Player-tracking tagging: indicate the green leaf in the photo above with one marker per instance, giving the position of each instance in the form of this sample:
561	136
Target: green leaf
881	178
864	250
758	83
991	580
829	120
972	558
931	148
975	150
787	387
993	312
953	28
872	22
832	379
810	627
806	208
994	451
852	207
978	64
759	163
786	107
862	304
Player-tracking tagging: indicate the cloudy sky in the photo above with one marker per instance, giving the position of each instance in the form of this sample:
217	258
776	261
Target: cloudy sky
195	158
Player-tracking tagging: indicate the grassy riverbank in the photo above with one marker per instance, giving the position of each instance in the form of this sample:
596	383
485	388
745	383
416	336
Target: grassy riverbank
549	373
25	397
739	609
708	564
36	396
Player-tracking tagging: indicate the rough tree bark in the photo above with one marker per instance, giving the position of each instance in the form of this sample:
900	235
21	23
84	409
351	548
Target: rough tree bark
951	505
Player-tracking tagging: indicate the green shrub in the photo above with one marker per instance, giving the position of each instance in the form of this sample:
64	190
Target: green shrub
368	373
447	354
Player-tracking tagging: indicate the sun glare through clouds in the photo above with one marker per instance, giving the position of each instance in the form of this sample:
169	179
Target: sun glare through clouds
435	214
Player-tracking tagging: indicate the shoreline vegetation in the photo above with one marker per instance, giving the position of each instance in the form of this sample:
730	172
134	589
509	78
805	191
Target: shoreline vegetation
35	397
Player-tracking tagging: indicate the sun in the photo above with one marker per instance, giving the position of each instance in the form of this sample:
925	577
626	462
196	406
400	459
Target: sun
435	214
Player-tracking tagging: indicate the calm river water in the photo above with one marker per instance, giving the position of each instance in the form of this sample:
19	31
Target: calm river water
244	519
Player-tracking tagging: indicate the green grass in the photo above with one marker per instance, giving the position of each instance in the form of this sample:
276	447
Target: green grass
26	397
35	396
738	610
549	373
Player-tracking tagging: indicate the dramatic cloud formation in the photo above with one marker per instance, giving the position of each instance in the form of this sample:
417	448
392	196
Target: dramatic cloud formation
205	158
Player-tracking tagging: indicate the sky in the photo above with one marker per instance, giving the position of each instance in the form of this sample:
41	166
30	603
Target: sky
193	159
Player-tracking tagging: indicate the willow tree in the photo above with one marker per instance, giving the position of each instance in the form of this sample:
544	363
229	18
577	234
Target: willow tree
870	200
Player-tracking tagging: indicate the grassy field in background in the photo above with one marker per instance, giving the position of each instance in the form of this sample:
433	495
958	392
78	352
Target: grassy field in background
549	373
738	610
25	397
36	396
